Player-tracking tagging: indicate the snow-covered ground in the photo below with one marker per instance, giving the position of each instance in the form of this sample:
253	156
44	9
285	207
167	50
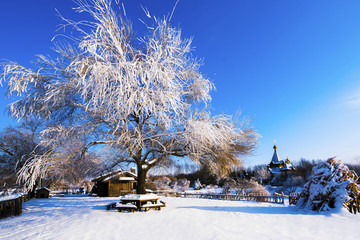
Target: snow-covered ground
72	217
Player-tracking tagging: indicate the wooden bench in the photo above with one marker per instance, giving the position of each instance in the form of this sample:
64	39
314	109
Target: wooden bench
125	207
110	205
156	206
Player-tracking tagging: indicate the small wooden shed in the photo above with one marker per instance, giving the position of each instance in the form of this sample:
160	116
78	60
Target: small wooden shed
10	205
115	184
42	193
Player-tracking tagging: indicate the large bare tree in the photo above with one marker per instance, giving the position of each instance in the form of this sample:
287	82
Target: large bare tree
143	96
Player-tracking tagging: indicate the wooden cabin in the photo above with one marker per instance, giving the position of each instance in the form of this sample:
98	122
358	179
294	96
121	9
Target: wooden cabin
42	193
115	184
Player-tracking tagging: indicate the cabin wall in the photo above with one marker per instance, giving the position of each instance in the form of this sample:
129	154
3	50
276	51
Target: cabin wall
42	193
108	186
118	188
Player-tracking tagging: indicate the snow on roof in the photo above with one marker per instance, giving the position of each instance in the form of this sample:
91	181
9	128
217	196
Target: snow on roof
287	166
11	197
120	178
277	165
275	170
126	179
131	173
108	176
136	197
275	159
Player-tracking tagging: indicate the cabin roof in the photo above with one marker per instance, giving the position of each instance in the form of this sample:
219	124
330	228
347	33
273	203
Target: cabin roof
43	188
120	174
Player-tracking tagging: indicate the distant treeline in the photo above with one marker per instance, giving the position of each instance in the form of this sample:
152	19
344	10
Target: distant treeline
260	173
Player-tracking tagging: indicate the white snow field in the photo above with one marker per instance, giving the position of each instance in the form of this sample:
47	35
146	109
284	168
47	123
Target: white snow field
74	217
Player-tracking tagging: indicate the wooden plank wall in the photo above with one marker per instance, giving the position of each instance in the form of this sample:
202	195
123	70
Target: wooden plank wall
12	207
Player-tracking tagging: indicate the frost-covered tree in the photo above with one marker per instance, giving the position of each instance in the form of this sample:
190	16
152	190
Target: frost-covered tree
17	145
64	160
21	151
261	173
197	184
142	95
332	185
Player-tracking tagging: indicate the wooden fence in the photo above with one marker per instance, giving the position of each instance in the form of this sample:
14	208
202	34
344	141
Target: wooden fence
279	198
293	198
12	207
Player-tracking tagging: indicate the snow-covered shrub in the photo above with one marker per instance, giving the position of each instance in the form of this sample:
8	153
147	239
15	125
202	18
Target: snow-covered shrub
294	180
184	183
242	186
257	189
180	185
332	185
261	173
229	185
278	179
197	184
151	186
162	182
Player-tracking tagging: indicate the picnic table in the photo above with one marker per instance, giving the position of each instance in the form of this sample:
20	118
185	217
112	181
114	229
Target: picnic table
139	202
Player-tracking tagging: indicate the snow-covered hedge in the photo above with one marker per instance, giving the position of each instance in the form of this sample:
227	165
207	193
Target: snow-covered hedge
332	186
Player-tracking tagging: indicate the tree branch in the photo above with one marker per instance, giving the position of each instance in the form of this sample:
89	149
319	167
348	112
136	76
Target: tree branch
6	150
93	143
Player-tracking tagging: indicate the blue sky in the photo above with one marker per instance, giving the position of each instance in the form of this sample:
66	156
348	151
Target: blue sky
292	66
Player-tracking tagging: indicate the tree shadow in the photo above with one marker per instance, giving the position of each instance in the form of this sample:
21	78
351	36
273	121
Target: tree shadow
290	210
65	202
102	208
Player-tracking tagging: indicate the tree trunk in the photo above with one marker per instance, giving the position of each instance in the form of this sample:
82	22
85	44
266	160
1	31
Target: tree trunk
31	193
141	180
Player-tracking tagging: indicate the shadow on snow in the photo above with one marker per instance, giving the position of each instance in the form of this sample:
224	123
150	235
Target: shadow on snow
292	210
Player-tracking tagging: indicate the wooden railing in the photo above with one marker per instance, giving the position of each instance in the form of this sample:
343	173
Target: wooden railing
237	197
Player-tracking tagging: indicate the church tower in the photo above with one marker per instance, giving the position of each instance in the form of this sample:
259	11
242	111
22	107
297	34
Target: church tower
287	165
276	164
